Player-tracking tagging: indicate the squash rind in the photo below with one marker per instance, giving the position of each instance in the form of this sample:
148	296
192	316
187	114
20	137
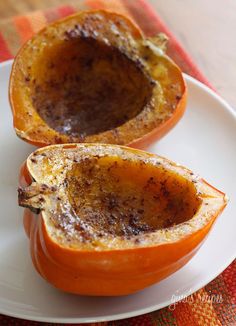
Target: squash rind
160	114
129	268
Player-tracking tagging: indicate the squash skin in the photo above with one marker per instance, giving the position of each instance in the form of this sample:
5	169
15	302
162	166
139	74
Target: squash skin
140	267
112	272
30	127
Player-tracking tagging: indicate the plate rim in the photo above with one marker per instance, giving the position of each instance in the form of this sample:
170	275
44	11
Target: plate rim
152	308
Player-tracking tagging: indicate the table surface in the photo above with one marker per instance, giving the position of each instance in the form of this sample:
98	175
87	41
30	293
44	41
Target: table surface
204	28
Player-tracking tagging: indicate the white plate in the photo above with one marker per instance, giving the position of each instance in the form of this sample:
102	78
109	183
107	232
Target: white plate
204	141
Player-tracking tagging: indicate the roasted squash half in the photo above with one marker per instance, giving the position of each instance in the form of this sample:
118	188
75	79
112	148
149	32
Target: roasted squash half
93	77
111	220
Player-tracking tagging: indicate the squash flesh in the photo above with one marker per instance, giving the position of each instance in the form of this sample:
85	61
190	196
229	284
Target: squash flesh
103	199
139	92
84	87
112	264
120	199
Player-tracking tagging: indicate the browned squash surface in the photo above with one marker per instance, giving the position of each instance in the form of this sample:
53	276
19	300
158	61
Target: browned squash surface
98	195
93	77
110	220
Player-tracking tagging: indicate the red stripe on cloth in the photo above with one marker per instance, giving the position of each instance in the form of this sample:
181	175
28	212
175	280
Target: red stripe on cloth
66	11
24	28
229	276
225	311
184	315
94	4
5	52
53	14
143	320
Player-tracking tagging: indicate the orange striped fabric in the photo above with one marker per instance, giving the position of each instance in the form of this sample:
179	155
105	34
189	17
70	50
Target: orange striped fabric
199	309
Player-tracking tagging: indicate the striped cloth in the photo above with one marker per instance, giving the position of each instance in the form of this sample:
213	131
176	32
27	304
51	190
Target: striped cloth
195	311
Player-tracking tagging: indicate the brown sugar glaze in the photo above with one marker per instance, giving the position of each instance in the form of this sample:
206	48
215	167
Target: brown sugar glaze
86	87
123	198
113	219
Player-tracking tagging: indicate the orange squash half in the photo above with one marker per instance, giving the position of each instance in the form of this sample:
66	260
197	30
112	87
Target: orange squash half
93	77
110	220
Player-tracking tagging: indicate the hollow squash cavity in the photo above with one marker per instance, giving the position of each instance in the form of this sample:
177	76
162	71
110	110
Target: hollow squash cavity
85	87
124	198
112	220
